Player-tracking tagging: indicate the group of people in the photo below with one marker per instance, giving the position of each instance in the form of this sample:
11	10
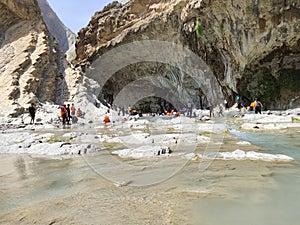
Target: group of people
255	105
69	113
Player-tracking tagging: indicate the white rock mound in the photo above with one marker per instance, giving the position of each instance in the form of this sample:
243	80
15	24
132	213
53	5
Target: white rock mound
143	152
241	155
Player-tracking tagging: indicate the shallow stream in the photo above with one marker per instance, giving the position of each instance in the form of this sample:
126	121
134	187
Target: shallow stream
77	190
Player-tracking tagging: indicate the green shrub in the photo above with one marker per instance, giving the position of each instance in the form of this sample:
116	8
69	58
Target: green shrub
205	133
222	25
198	29
248	10
265	2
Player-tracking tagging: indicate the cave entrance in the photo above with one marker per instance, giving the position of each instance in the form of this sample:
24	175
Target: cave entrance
152	94
134	71
153	105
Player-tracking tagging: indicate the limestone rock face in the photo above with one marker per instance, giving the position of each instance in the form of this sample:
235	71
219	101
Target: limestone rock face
32	66
252	47
63	35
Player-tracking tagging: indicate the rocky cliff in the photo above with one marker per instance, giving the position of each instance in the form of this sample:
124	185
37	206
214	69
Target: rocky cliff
63	35
32	66
252	47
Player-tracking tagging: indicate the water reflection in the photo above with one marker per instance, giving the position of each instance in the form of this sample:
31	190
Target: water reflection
278	207
21	167
35	179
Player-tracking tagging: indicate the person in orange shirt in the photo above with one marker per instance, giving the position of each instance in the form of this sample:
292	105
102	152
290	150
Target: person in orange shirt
252	106
63	113
73	109
106	119
79	113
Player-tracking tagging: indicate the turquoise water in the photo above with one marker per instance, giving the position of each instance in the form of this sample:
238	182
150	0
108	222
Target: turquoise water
275	142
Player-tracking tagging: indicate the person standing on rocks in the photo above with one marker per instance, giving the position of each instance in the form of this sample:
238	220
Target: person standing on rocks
73	114
226	105
63	113
190	109
221	109
238	99
258	106
68	114
252	106
210	107
73	109
32	111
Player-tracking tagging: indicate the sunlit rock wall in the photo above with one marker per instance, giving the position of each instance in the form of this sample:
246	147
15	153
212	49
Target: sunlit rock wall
251	46
63	35
32	68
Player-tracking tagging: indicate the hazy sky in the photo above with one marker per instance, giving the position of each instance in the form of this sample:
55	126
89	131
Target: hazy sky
76	14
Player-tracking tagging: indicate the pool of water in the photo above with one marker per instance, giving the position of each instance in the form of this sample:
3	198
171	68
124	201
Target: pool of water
285	141
278	205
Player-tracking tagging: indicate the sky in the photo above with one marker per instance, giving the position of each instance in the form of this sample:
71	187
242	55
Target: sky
76	14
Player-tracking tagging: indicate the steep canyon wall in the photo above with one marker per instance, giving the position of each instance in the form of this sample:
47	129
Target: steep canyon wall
32	64
252	48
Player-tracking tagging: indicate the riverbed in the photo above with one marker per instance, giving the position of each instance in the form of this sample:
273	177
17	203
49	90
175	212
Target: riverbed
103	188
